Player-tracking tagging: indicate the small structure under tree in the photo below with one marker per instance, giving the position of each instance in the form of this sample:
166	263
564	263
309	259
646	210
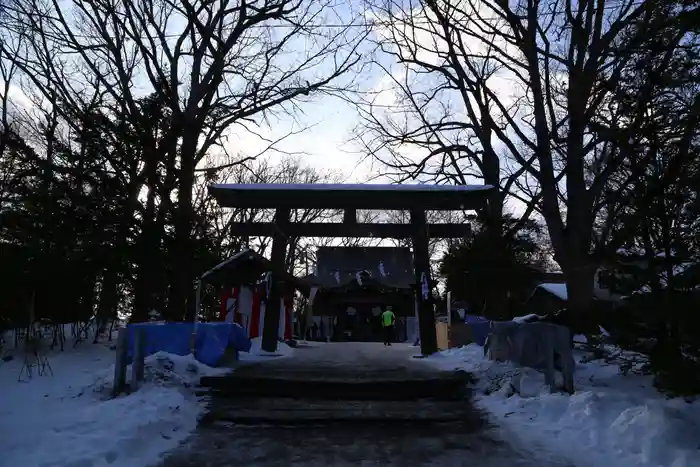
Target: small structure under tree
247	268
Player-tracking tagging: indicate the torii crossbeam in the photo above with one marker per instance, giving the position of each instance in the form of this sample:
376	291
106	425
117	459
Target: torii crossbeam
414	198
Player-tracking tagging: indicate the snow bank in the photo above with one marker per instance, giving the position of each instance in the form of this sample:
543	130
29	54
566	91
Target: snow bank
69	420
256	352
527	318
559	290
611	420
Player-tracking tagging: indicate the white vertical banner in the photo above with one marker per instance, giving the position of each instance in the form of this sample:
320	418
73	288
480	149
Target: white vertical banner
245	301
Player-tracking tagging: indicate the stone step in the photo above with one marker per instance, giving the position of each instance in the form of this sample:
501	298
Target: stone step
260	387
312	411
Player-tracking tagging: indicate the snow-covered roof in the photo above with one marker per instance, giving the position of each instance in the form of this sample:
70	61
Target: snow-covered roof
257	264
349	187
526	318
559	290
228	261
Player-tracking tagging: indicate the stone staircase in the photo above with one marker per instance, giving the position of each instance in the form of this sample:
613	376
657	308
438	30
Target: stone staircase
323	397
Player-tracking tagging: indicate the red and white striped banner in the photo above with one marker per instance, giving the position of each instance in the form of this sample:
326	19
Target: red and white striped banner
247	308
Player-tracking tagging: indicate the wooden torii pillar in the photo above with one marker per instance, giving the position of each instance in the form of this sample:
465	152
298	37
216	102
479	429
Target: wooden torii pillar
274	299
423	281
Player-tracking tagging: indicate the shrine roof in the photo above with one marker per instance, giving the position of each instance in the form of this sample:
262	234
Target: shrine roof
247	266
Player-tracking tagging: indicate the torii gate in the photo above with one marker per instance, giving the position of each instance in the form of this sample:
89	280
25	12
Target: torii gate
415	198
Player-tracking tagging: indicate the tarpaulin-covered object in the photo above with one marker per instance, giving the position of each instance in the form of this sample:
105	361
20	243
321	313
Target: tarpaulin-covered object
211	340
479	326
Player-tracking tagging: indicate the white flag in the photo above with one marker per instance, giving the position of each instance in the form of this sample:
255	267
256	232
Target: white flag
358	278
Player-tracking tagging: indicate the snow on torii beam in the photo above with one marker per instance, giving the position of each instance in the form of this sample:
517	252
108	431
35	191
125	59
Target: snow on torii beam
352	196
347	229
416	198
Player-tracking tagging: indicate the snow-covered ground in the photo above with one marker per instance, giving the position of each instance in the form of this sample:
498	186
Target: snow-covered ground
256	353
68	419
612	419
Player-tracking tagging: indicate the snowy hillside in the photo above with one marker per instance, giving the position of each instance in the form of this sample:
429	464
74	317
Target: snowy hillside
68	419
611	419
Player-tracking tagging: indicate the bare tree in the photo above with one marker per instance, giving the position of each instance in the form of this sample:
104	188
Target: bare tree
8	81
435	117
215	64
528	83
301	251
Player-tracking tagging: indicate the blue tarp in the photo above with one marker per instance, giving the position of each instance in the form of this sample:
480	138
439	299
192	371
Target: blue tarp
480	328
211	340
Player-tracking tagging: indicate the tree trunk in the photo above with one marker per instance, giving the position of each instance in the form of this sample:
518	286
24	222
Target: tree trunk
650	258
148	246
182	289
579	274
496	295
109	297
163	281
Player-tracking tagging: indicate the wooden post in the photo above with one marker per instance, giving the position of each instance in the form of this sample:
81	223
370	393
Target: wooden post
449	319
449	308
424	295
137	365
120	362
274	301
198	307
349	216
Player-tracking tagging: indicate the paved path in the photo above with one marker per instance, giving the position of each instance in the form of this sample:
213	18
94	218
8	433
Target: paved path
324	443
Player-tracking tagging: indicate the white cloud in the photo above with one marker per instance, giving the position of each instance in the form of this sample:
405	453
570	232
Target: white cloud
16	96
415	33
384	93
319	137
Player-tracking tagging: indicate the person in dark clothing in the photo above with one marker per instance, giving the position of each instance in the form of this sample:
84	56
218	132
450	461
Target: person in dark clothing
388	323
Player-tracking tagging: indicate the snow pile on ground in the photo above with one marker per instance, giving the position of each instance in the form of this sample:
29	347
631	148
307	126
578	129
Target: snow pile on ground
68	420
283	350
160	369
168	369
612	419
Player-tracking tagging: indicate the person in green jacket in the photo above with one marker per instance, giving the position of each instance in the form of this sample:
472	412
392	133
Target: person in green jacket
388	322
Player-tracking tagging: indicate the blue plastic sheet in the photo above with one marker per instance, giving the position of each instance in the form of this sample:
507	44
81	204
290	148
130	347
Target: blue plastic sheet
210	343
480	328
